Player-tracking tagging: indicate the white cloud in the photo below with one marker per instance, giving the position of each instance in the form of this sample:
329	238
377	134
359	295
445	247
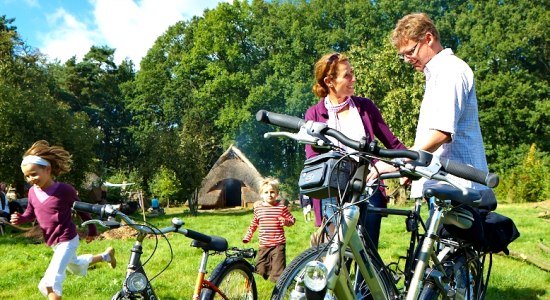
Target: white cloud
70	37
129	26
32	3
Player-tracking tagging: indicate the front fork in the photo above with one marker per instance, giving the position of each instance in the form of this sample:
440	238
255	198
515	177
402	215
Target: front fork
426	252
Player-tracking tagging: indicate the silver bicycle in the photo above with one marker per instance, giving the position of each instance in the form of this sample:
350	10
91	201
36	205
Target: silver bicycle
349	266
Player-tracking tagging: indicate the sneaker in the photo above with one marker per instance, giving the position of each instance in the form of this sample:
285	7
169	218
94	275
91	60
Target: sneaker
111	252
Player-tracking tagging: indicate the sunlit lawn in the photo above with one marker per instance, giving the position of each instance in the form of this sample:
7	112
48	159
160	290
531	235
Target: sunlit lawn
24	263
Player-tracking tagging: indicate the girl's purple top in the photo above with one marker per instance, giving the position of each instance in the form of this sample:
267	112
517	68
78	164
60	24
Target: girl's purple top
374	124
54	213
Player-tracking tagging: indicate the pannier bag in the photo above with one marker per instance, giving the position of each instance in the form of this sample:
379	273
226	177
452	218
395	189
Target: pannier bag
325	175
490	231
500	231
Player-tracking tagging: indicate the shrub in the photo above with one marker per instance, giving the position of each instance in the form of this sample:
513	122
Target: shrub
165	185
526	182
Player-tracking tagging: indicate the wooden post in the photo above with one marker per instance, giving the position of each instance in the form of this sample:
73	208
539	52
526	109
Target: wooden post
142	204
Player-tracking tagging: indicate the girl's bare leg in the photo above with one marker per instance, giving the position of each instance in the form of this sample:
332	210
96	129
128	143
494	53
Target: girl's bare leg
107	256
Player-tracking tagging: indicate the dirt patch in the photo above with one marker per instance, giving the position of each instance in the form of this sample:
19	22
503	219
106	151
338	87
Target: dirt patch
124	232
543	208
35	234
543	204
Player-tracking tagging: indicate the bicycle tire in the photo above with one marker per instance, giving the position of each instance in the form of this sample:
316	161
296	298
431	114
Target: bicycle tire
234	278
458	271
287	280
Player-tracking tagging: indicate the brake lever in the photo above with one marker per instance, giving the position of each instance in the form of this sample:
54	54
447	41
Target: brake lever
415	171
301	137
107	224
431	171
442	176
281	133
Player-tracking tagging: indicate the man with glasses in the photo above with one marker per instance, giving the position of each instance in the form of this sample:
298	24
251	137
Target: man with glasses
448	123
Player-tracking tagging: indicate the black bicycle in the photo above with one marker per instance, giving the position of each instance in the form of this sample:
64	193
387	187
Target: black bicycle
231	279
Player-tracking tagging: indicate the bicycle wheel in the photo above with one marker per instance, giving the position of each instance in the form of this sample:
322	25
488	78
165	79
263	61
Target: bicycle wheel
466	286
234	278
290	277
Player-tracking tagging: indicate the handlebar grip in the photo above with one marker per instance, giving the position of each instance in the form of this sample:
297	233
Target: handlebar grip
89	208
397	153
198	236
280	120
468	172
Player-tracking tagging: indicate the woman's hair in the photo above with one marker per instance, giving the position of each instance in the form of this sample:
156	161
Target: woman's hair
59	158
326	66
413	27
269	181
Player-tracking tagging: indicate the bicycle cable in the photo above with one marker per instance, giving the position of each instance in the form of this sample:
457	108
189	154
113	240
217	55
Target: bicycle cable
155	228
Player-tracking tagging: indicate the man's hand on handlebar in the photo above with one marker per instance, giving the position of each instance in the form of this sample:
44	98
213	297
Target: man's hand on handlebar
380	167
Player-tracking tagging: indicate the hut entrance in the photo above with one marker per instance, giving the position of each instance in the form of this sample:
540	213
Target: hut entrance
232	192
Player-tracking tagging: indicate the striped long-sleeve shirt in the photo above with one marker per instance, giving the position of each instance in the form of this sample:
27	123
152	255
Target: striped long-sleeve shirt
270	219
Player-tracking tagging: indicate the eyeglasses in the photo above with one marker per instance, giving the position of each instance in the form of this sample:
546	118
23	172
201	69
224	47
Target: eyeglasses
409	52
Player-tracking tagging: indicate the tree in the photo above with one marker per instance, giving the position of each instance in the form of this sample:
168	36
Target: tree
165	185
29	112
511	69
93	86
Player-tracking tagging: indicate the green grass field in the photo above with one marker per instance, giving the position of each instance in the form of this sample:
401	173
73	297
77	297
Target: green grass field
24	262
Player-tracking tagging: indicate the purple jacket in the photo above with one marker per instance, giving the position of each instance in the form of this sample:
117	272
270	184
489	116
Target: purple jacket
372	120
374	127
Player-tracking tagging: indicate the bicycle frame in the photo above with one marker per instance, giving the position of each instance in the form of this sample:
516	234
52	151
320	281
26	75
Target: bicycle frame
201	282
338	275
337	272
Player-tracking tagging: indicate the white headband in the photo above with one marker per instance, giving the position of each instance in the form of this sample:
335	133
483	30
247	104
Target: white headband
33	159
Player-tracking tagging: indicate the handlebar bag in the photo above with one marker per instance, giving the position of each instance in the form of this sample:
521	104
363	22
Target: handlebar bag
325	175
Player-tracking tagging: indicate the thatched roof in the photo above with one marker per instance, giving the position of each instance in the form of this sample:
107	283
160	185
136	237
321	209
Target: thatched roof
232	164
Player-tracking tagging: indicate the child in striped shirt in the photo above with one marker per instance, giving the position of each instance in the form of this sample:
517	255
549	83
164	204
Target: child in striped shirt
270	216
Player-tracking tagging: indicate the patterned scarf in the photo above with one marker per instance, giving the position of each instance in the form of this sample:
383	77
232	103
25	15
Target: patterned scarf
353	126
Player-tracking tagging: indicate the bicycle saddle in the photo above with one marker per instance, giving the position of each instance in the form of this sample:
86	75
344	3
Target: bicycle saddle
216	244
457	197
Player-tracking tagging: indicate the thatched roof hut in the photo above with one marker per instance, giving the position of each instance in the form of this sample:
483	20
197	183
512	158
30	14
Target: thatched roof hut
232	181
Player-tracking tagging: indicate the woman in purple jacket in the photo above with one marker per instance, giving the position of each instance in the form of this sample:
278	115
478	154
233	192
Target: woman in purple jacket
50	203
356	117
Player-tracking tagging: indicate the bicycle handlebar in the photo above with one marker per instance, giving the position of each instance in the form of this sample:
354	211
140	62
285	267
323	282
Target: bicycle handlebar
97	209
468	172
107	210
421	158
280	120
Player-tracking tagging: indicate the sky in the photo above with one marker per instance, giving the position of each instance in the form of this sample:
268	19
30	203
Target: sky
61	29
